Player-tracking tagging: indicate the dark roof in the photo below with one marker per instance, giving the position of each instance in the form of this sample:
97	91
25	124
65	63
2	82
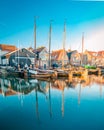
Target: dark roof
21	52
70	53
38	50
57	54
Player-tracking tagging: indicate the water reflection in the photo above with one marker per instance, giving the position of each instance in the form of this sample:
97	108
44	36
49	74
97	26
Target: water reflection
57	94
18	86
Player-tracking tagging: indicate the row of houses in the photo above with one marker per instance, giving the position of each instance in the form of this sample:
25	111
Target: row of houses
12	56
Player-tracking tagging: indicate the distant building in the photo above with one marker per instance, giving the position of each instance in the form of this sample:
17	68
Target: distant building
20	57
4	49
30	49
42	57
100	58
57	57
101	53
91	57
74	57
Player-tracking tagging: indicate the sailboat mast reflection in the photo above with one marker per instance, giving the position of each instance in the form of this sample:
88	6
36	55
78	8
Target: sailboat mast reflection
100	86
37	111
63	103
50	106
2	87
63	86
79	95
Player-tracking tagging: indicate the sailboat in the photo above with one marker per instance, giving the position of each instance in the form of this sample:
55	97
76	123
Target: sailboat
39	73
62	72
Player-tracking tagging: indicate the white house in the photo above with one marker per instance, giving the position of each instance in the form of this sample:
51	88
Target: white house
4	49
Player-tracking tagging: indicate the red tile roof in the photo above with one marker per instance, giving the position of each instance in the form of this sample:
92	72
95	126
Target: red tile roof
9	48
58	54
101	53
92	53
9	93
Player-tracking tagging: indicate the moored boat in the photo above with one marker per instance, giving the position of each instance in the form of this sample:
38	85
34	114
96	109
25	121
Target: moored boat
62	73
38	73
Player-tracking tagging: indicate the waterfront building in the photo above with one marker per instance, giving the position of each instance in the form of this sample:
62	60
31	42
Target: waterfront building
74	57
20	57
4	49
42	57
57	57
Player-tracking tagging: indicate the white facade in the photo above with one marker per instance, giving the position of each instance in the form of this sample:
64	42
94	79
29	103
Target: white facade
2	53
43	58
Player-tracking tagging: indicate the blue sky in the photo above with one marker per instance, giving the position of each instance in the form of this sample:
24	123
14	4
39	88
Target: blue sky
17	23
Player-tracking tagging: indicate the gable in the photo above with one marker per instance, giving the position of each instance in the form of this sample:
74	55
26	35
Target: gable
21	53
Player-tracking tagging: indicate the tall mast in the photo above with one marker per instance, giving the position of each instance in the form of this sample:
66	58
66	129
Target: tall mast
35	39
18	53
64	41
35	33
82	47
50	31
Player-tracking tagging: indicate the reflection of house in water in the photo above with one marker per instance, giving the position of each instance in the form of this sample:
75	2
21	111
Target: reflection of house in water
5	88
72	83
15	86
43	86
7	92
60	84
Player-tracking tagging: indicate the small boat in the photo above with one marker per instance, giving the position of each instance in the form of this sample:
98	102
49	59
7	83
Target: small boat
62	73
38	73
90	67
41	75
91	72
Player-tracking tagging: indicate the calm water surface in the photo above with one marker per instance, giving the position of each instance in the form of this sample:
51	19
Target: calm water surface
74	104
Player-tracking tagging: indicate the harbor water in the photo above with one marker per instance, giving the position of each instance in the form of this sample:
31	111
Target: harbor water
31	104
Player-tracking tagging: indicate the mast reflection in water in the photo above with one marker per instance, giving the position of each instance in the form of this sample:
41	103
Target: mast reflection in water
74	103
